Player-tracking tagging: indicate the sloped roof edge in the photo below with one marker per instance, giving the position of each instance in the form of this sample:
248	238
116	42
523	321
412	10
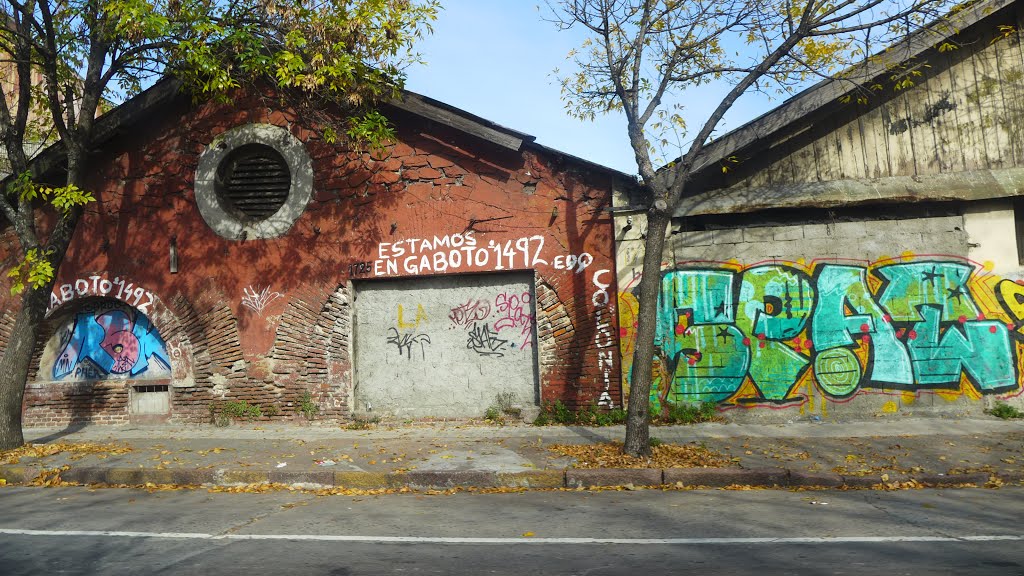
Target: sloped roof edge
460	120
122	117
108	124
830	90
469	123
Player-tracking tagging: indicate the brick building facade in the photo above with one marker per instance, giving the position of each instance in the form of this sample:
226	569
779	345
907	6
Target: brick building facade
233	254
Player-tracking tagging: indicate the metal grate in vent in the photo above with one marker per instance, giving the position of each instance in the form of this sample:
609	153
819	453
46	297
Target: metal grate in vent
151	388
254	181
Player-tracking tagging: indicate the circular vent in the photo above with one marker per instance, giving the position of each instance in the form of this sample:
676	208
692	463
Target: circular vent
253	180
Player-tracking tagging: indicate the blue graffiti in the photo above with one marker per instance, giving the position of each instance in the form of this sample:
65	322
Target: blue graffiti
115	342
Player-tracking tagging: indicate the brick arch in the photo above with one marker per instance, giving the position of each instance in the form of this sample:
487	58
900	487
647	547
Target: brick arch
162	317
218	365
334	325
311	350
6	326
556	335
166	319
49	402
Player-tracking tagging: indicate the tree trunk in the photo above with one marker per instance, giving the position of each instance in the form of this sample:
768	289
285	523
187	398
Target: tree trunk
14	364
638	419
17	358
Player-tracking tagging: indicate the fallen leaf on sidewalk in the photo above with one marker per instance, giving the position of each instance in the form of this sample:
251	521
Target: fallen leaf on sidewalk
78	449
609	455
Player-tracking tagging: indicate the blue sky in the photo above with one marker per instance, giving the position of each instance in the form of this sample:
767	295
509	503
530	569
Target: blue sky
495	59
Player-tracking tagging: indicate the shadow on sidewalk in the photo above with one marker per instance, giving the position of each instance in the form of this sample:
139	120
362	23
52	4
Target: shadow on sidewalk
69	430
591	435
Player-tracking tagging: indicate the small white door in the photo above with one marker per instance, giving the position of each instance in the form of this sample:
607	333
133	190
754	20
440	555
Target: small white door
147	400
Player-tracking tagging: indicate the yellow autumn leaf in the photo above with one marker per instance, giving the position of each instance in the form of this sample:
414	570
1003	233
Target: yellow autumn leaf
610	455
74	448
527	534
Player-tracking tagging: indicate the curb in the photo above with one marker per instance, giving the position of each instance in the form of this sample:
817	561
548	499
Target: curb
534	479
19	474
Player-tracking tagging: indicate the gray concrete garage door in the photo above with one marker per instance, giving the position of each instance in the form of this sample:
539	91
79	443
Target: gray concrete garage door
444	346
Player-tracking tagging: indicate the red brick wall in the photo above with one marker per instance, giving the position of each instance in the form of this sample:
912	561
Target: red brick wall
434	181
60	404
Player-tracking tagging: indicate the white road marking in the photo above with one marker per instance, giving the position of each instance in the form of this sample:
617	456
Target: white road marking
520	540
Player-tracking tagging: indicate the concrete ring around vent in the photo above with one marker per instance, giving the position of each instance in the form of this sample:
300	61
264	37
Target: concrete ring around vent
224	222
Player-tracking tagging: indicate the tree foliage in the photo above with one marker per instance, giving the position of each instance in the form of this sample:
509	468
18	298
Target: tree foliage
66	61
640	57
71	58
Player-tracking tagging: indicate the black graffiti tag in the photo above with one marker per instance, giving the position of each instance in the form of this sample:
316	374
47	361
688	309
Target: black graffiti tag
404	342
484	342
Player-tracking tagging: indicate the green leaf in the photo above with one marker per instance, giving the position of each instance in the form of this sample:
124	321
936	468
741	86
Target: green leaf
35	270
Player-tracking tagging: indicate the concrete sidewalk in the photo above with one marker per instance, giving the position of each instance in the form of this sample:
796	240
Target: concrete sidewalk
438	456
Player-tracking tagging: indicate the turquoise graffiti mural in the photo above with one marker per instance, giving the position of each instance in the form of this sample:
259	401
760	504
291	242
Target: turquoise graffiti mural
109	339
759	334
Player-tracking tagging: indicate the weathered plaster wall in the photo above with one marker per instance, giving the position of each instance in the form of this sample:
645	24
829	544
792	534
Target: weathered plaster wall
856	315
266	320
866	239
991	231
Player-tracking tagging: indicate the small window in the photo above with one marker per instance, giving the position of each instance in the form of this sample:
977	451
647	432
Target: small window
253	181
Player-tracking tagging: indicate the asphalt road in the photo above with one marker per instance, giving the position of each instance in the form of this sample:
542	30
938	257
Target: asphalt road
110	531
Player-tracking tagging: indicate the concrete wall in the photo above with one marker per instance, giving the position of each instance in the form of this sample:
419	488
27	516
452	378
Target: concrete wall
265	320
864	239
855	315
